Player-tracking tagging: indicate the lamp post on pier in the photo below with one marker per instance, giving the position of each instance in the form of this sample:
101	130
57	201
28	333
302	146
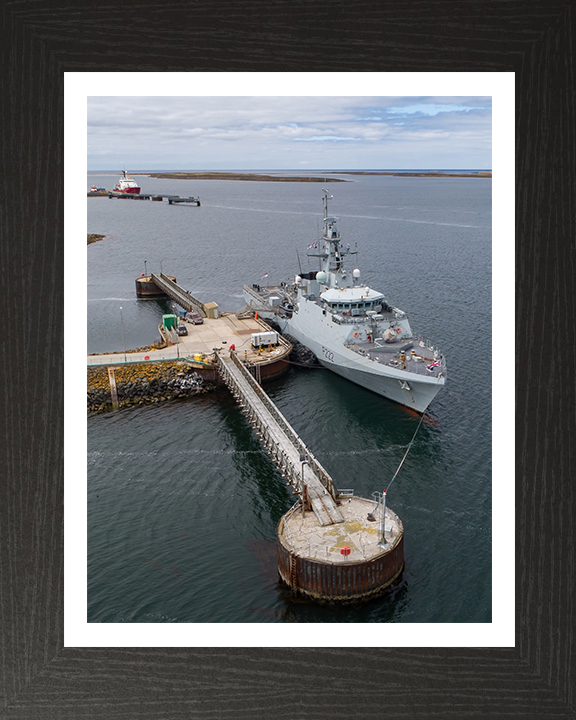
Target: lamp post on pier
383	542
123	337
304	461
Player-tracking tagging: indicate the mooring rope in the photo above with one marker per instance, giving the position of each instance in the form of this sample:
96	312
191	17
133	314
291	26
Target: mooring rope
407	451
410	443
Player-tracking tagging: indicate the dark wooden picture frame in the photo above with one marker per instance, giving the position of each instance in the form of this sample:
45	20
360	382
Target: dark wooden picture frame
39	678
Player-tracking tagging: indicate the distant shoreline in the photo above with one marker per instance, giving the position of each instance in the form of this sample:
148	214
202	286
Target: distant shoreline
307	178
424	173
236	176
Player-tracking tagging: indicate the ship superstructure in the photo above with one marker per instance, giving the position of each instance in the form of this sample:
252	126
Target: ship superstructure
125	184
351	328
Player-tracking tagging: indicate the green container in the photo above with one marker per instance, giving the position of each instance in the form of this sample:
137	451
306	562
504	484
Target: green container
169	321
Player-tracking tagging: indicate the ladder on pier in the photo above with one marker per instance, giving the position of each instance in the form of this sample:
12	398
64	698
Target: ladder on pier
281	441
178	294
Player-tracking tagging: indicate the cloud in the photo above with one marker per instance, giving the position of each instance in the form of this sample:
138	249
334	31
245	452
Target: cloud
325	138
272	132
431	109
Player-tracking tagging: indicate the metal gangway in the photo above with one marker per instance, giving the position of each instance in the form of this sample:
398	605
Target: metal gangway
178	294
294	459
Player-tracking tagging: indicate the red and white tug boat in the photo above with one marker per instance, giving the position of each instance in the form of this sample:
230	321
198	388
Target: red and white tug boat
125	184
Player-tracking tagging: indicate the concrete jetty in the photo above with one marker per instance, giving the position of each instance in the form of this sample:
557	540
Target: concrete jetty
332	546
202	340
170	199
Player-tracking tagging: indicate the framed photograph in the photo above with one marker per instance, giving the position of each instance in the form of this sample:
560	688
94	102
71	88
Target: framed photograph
385	379
59	660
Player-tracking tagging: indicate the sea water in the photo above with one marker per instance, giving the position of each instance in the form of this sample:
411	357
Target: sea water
182	501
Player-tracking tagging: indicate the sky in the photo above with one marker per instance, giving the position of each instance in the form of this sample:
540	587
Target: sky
289	133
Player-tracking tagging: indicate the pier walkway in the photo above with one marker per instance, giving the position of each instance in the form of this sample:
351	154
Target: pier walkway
294	459
178	294
172	199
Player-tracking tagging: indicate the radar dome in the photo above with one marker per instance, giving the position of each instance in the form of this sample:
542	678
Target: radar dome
321	277
356	273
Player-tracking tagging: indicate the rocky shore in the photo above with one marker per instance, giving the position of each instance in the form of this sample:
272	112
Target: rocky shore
317	178
144	384
160	345
426	173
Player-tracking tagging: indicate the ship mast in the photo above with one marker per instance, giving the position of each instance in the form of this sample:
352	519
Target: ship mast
331	256
331	237
325	201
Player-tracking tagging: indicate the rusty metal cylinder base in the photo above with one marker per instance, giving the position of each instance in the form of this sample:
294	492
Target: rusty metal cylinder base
344	562
145	288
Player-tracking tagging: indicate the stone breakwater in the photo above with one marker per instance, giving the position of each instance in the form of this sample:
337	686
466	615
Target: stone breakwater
143	384
160	345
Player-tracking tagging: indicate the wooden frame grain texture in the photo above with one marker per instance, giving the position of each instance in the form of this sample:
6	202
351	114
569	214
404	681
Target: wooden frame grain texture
40	41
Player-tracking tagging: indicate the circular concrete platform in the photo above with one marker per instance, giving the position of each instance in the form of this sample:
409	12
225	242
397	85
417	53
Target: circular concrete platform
343	561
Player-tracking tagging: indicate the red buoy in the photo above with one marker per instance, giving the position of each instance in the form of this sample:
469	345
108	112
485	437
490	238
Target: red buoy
345	550
146	357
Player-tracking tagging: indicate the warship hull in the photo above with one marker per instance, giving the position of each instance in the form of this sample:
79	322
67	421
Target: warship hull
400	386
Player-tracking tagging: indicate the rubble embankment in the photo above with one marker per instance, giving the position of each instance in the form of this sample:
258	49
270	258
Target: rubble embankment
144	384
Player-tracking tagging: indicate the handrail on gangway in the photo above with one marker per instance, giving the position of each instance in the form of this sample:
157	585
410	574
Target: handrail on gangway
178	294
294	459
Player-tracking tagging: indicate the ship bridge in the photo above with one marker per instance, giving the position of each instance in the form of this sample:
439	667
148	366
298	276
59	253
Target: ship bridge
294	459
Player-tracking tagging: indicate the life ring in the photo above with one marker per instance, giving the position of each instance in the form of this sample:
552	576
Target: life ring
398	329
355	334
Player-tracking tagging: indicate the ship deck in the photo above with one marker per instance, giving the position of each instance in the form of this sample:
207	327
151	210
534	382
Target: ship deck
263	293
417	358
417	355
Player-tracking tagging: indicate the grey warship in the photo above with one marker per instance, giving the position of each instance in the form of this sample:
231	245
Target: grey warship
351	328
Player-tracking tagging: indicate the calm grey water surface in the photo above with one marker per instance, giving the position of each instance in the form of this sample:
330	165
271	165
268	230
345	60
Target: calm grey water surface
183	503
